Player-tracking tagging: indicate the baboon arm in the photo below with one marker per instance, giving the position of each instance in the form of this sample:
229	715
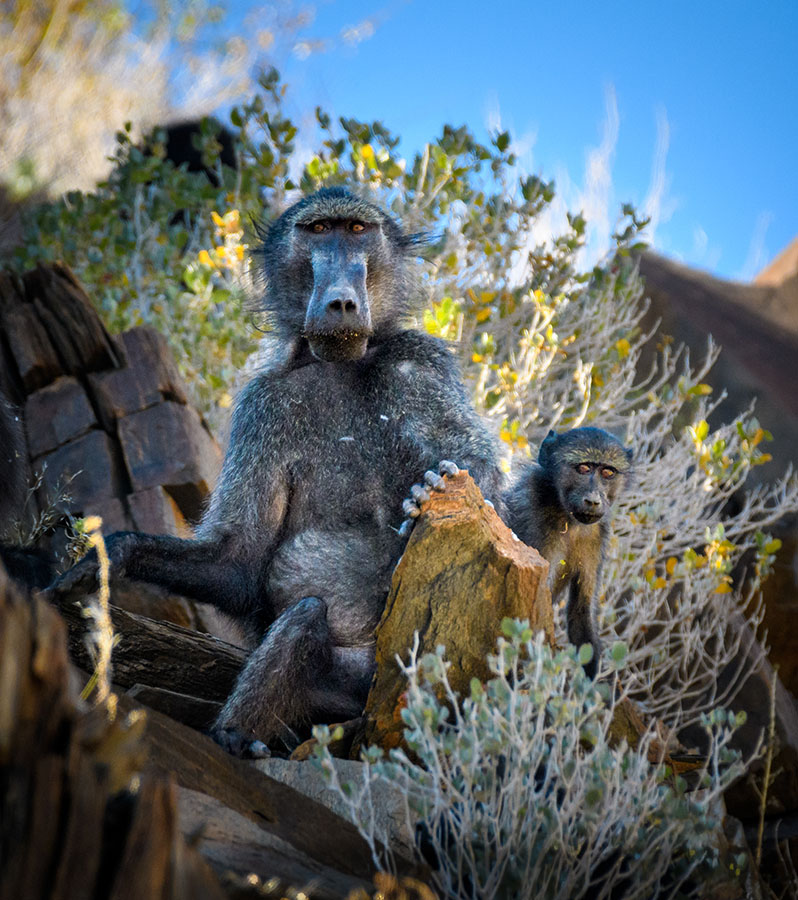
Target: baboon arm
580	617
206	571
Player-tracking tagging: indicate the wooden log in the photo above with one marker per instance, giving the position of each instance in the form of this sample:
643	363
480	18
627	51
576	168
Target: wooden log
160	654
462	572
191	711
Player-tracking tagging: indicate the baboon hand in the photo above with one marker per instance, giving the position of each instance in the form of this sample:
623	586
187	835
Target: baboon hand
420	493
83	578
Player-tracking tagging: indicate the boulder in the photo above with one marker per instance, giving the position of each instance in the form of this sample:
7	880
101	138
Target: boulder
56	414
169	445
462	572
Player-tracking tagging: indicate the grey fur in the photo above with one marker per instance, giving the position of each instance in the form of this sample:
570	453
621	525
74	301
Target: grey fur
562	513
301	533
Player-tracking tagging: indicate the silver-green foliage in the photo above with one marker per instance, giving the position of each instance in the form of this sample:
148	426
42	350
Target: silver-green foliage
521	793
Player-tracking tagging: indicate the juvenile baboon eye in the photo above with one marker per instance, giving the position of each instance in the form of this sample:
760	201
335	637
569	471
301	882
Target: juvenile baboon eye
607	473
320	227
357	227
583	468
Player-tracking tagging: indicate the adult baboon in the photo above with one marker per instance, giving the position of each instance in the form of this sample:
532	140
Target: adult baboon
300	536
559	507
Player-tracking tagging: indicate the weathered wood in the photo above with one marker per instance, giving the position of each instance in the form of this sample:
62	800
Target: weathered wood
81	845
160	654
62	769
462	572
233	843
199	764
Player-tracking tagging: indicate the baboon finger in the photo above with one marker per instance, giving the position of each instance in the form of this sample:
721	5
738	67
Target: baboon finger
447	467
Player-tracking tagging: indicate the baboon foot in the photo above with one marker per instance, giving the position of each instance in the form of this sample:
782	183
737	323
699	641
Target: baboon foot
238	744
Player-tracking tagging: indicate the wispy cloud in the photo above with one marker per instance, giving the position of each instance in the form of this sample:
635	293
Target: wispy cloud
657	206
757	251
596	197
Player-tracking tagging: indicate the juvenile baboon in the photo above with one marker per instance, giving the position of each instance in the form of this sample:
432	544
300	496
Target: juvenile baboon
301	533
559	506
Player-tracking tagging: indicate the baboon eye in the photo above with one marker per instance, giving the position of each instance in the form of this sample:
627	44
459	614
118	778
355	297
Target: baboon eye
320	227
357	227
583	468
607	473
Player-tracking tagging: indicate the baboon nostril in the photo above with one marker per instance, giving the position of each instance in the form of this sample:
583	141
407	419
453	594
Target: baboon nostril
351	306
337	305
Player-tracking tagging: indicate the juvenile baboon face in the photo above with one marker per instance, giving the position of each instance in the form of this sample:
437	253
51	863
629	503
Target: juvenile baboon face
588	466
336	273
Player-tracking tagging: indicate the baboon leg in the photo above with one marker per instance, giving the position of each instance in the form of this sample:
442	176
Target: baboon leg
292	680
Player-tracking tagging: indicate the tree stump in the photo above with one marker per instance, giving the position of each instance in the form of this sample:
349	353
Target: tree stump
463	571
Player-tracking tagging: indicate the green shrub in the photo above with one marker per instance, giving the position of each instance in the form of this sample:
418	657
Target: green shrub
520	792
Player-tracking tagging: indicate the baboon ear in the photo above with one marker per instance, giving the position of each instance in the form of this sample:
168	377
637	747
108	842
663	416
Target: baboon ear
546	449
629	454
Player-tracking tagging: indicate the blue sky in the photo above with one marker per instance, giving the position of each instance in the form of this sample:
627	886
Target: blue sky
687	109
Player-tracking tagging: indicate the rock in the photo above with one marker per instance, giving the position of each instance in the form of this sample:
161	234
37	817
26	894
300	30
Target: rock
308	779
155	512
94	464
168	445
289	821
462	572
148	377
780	609
75	329
231	842
754	697
56	414
34	354
112	512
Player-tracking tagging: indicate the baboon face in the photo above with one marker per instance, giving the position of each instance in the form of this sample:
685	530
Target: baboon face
588	466
335	266
338	318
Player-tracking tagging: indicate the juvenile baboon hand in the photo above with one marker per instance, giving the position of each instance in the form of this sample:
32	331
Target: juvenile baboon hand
420	493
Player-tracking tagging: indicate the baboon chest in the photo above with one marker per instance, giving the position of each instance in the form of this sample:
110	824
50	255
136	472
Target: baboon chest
355	450
576	550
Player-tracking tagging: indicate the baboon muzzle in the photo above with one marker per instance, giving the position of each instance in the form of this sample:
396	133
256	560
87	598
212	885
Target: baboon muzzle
338	317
